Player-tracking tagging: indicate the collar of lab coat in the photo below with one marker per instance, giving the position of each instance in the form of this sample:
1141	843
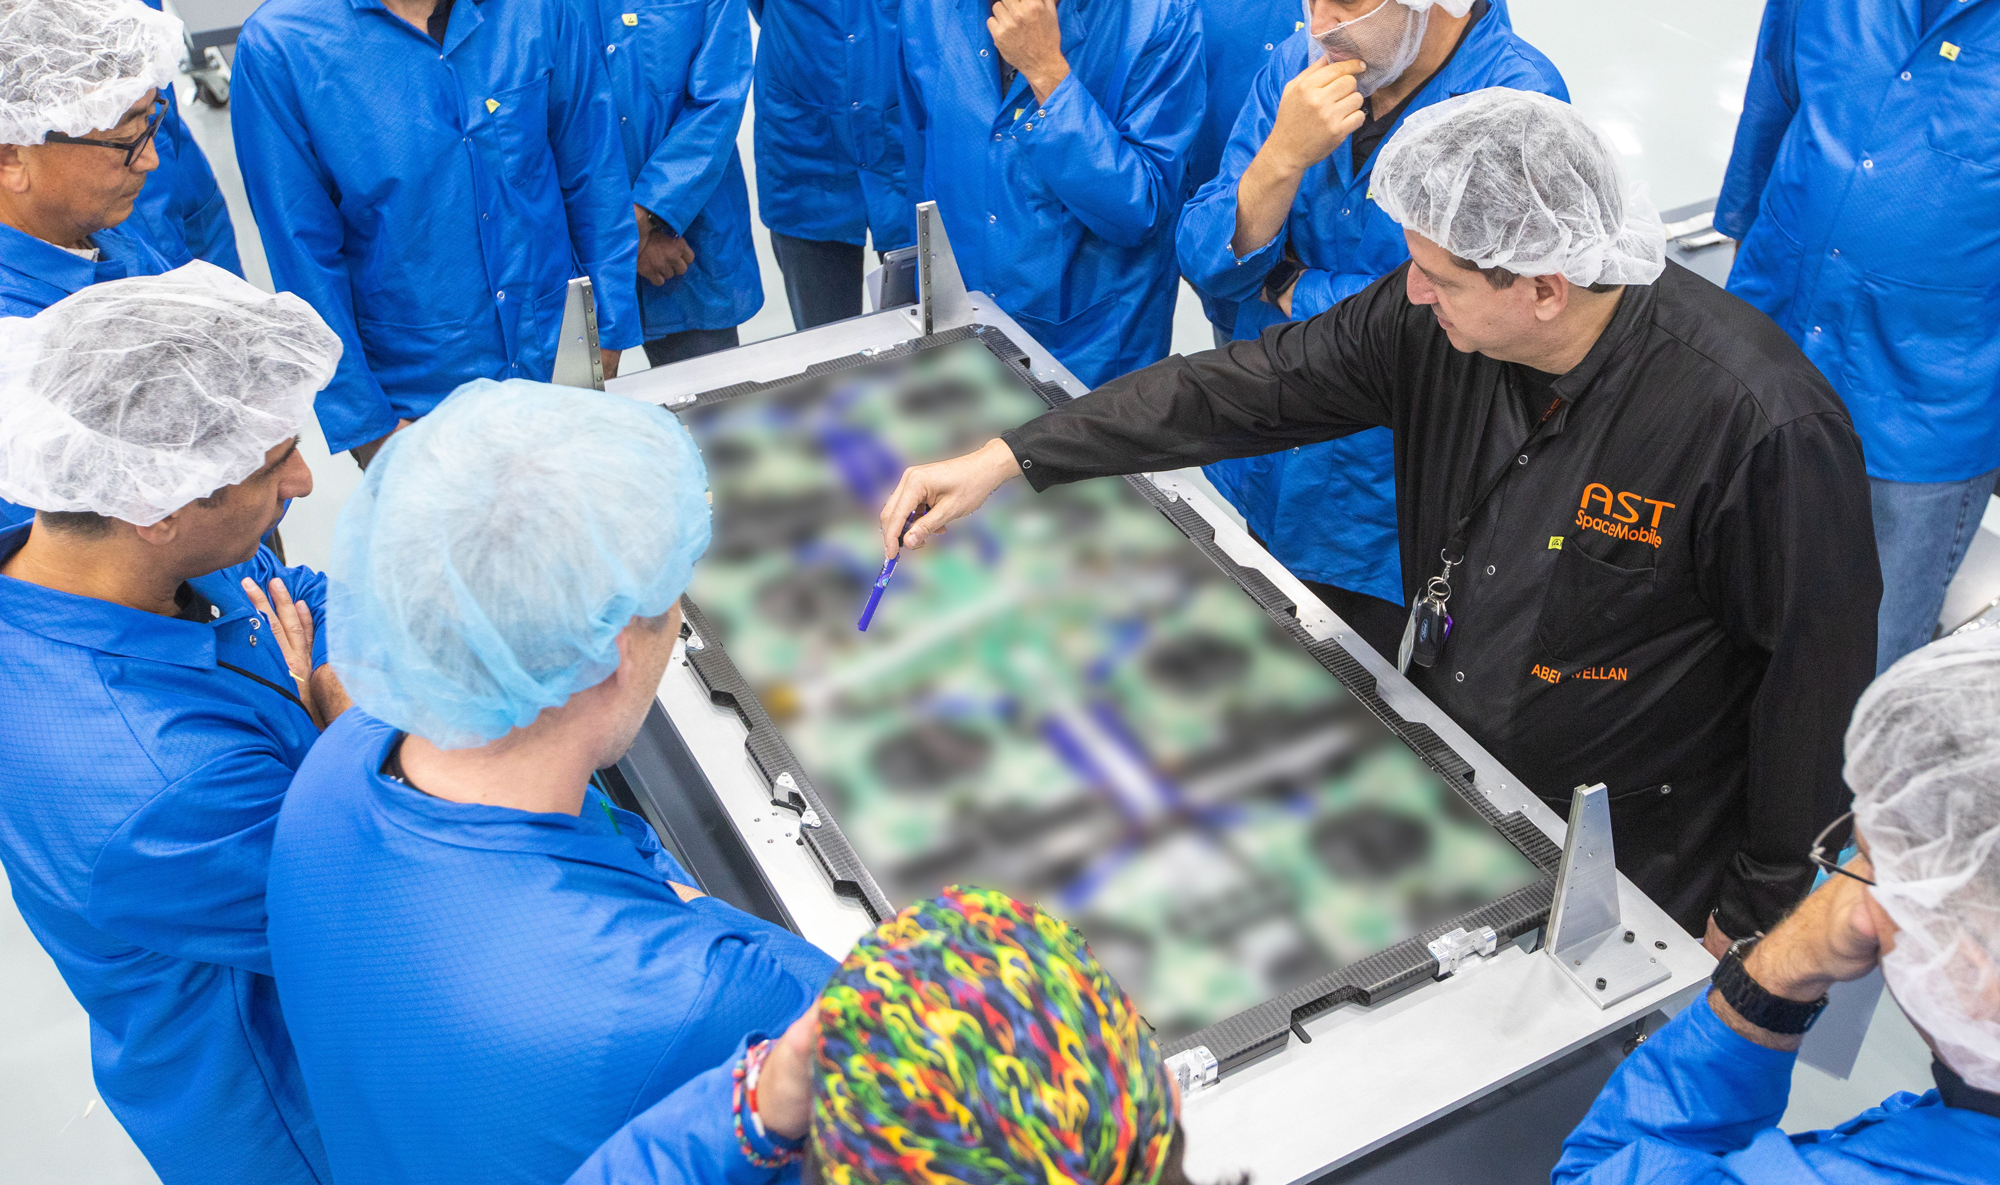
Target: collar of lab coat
492	828
49	263
110	628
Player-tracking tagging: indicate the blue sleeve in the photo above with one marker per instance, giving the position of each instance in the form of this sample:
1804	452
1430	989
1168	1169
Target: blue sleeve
1208	225
185	874
590	166
687	165
198	199
687	1138
1121	175
1769	102
915	119
291	195
1692	1095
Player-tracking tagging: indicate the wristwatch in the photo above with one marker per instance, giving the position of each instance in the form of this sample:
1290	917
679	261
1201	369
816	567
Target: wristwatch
1772	1013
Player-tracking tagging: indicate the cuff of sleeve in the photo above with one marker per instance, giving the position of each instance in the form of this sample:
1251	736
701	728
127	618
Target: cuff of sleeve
1039	477
1313	294
1721	1041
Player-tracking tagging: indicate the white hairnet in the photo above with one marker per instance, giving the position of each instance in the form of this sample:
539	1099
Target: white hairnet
1513	179
76	66
497	547
132	398
1923	759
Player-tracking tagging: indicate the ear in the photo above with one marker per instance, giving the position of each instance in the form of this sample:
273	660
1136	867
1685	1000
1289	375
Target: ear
162	533
1551	296
13	169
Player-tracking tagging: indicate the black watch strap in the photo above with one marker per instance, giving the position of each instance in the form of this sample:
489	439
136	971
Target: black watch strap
1772	1013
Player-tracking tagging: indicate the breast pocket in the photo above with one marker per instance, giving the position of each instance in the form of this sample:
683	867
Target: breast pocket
667	37
1961	118
1591	604
512	130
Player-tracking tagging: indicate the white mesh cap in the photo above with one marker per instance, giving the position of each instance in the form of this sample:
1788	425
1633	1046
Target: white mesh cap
1923	759
76	66
1515	179
134	397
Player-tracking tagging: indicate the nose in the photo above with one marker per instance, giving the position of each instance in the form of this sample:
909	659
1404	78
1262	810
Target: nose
297	479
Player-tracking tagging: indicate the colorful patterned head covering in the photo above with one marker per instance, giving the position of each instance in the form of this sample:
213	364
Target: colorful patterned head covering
974	1040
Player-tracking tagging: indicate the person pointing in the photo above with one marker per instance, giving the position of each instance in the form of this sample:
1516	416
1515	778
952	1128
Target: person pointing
1633	519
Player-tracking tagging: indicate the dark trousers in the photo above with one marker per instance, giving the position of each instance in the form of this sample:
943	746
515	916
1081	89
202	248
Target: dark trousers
689	343
822	280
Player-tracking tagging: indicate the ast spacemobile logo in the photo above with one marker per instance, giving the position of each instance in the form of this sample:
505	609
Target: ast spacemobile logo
1621	515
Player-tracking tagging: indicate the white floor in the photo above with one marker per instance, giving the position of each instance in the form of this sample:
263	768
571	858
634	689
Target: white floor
1664	82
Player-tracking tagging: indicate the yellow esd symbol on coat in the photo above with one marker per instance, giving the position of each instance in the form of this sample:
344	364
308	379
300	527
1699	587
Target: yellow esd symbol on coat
631	20
492	105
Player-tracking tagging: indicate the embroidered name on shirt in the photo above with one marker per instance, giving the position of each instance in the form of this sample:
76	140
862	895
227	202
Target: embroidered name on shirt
1550	675
1622	514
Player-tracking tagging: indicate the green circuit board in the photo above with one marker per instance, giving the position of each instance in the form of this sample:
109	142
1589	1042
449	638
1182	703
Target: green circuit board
1065	699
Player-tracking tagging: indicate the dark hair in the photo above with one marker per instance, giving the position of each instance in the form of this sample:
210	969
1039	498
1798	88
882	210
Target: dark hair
1500	277
77	524
86	524
1174	1172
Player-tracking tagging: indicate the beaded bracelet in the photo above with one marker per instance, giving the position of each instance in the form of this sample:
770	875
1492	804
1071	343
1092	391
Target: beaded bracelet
745	1077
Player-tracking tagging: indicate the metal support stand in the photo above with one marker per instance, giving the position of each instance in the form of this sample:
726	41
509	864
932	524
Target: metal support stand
578	364
941	294
1587	937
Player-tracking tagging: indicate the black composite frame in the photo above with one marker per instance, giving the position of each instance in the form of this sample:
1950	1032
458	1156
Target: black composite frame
663	781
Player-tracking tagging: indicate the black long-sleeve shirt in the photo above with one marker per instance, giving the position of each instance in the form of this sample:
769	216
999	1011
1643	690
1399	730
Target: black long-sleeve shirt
1673	591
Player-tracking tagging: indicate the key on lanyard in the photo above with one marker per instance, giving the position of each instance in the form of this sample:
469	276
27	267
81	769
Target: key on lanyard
1429	626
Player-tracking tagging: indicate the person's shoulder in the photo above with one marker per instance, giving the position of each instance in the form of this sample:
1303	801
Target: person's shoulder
276	24
1750	359
1915	1133
1515	62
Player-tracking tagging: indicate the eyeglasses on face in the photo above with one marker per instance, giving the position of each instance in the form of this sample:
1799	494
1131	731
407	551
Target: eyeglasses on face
1831	863
131	148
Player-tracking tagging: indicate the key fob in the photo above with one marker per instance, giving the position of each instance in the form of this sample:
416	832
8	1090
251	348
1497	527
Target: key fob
1430	627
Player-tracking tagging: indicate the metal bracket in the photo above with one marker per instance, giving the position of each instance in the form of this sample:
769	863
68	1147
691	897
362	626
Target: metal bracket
1195	1069
1459	947
1587	937
578	364
941	297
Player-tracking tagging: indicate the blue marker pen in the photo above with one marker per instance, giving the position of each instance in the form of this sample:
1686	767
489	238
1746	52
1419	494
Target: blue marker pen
888	570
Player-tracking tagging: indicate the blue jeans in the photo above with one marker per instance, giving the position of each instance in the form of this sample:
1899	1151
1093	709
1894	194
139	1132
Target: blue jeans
1921	530
823	281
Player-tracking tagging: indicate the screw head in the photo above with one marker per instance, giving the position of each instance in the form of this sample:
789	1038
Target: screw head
1600	983
1659	945
1629	936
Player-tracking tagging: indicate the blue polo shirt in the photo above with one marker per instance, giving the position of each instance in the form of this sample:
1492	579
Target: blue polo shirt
138	795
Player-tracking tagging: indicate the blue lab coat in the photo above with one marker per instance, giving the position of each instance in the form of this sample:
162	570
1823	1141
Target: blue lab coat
138	794
1237	40
1865	189
1698	1104
687	1138
486	995
35	275
829	130
682	76
1328	511
181	210
432	203
1063	211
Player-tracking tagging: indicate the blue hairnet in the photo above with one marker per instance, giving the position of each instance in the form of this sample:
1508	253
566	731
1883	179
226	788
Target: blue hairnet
497	547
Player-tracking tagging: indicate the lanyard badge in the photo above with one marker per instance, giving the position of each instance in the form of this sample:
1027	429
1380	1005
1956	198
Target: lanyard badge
1429	626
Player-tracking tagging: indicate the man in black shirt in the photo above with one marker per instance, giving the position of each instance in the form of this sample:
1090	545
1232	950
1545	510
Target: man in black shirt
1661	565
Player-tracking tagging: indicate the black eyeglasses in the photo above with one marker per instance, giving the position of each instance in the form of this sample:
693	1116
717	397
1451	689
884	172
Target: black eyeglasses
1829	863
131	148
